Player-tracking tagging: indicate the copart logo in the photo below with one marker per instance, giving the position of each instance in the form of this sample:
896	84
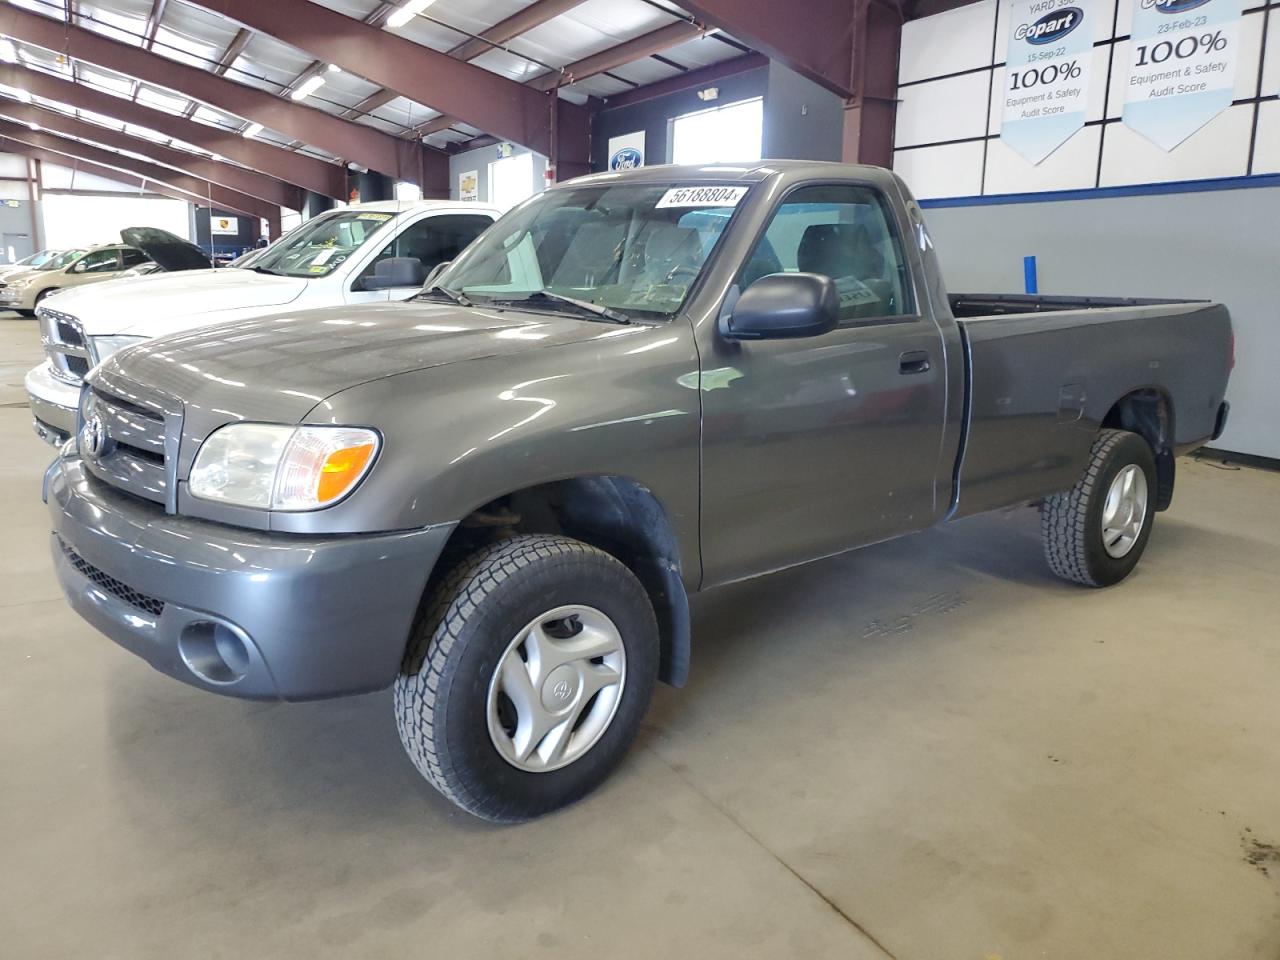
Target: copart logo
1173	6
626	159
1056	25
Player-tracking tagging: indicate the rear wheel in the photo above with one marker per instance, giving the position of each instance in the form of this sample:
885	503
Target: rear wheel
527	676
1095	532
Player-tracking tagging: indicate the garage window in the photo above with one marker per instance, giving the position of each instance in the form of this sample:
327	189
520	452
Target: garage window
729	134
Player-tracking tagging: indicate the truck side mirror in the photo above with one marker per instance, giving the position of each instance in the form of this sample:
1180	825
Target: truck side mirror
783	306
396	272
434	275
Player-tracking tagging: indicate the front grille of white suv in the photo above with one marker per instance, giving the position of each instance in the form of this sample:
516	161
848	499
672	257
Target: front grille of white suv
66	346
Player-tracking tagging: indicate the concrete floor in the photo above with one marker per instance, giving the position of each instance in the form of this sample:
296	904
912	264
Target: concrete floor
928	749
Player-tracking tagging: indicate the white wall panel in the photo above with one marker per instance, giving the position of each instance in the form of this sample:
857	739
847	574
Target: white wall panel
1071	167
1271	69
944	110
954	170
12	165
939	110
949	42
1266	152
1218	149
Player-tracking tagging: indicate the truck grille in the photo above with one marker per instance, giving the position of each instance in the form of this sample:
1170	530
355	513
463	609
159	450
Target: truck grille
104	581
65	345
123	442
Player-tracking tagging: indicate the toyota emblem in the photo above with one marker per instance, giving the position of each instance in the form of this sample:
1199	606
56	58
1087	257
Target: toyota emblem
93	436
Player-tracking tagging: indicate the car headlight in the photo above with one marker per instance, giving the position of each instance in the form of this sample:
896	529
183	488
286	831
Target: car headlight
277	467
104	347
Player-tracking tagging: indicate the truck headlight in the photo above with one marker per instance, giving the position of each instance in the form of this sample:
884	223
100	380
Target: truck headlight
104	347
278	467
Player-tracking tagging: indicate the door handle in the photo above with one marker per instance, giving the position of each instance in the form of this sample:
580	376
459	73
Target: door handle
913	361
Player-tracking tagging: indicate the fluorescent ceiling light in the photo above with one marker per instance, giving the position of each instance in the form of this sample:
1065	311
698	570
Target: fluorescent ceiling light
308	87
16	92
8	51
334	68
407	13
252	130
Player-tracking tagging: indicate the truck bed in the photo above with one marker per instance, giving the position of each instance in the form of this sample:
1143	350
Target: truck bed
1041	379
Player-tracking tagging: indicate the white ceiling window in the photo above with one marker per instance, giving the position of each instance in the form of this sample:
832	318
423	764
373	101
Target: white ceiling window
728	134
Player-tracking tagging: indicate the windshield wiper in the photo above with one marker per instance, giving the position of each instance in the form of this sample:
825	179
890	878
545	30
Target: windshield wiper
270	273
457	296
606	313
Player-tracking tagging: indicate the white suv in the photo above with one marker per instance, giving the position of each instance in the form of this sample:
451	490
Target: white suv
364	253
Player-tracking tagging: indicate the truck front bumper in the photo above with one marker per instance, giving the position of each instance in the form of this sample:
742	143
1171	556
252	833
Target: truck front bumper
53	404
238	612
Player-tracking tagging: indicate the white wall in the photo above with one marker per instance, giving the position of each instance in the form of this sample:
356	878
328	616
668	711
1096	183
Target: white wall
951	76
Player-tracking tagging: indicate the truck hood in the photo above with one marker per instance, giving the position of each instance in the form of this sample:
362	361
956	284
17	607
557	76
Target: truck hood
165	248
278	368
165	303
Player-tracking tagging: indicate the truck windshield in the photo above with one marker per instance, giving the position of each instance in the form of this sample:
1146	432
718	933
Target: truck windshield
319	247
635	249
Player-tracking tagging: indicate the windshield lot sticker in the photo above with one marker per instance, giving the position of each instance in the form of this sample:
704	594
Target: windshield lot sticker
702	197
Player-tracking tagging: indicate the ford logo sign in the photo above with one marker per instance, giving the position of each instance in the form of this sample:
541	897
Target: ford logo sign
1173	6
626	159
1054	26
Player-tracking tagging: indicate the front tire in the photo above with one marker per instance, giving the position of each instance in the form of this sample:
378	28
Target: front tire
1095	532
527	677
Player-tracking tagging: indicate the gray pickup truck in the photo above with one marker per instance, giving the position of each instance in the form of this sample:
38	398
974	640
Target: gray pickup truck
498	495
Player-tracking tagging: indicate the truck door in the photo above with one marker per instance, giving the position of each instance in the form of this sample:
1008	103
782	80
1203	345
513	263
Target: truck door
814	446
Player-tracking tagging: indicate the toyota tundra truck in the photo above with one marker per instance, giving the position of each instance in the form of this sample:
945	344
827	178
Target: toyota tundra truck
497	496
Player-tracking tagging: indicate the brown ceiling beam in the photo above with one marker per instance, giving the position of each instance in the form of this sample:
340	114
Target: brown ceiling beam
84	166
476	96
534	15
197	190
371	103
814	38
664	38
158	8
224	174
629	51
344	138
309	173
701	77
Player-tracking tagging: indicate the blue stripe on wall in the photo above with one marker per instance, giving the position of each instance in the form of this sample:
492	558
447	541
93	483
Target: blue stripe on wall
1104	193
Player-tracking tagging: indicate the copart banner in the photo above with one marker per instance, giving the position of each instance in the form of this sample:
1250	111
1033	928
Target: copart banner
1046	79
1182	71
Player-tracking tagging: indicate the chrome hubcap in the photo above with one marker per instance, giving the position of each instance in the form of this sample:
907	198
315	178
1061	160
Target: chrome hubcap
1125	511
556	688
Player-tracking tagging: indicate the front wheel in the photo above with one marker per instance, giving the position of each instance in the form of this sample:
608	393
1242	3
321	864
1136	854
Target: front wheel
1095	532
527	676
